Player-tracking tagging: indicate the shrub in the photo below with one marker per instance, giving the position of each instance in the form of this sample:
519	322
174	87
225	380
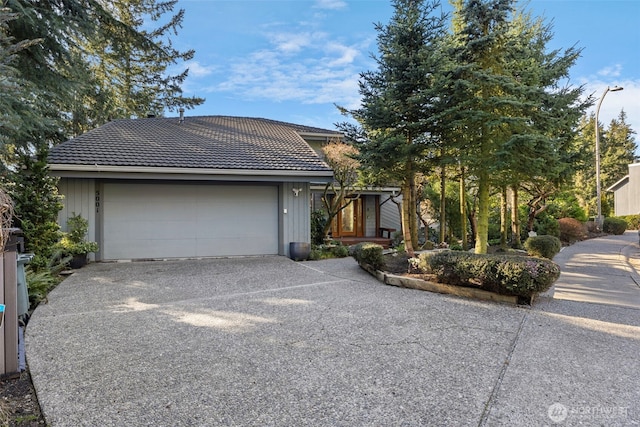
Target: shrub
571	230
428	245
615	226
368	253
508	275
318	221
543	246
633	221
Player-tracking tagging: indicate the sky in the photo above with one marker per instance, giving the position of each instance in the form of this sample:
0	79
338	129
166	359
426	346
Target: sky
295	60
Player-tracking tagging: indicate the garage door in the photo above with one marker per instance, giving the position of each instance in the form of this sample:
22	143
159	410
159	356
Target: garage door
188	220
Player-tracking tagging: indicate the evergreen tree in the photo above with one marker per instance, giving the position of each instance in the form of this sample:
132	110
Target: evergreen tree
618	150
504	95
397	99
127	73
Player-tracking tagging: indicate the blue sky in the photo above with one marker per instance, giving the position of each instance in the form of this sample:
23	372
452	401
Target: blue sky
292	60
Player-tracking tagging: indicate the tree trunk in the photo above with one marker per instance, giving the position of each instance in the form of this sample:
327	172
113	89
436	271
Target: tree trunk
516	242
407	211
504	217
463	211
443	199
413	217
482	236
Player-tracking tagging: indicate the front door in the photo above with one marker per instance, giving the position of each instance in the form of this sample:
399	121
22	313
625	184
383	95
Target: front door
349	220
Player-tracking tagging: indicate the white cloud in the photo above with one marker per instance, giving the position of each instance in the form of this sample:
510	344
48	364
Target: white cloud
330	4
291	42
198	70
611	71
307	67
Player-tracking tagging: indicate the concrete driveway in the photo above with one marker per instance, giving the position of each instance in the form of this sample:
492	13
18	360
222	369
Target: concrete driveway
271	342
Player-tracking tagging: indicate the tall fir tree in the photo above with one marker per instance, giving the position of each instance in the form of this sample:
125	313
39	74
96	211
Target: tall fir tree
397	98
504	95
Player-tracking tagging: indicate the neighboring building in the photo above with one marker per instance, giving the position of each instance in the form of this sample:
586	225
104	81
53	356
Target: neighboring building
626	193
192	187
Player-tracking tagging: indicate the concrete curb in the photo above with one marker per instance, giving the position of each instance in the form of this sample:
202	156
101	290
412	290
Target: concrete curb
441	288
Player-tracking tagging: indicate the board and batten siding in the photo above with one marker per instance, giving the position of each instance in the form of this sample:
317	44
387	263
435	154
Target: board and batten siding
295	214
79	199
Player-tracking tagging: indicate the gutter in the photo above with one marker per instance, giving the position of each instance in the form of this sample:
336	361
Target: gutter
147	172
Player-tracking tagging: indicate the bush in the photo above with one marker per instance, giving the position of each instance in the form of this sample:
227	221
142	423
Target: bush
318	221
328	251
543	246
615	226
507	275
633	221
571	230
368	253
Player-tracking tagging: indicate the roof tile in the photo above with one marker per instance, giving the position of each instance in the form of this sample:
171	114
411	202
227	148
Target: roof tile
211	142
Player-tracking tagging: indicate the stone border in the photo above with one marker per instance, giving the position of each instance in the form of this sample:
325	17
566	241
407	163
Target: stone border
441	288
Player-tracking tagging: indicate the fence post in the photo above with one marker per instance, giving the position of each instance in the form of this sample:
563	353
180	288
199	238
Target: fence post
9	297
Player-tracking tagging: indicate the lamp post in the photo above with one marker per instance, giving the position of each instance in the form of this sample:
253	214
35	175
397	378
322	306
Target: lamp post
598	190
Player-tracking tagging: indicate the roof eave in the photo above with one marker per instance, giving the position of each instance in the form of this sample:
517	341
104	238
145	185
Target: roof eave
148	172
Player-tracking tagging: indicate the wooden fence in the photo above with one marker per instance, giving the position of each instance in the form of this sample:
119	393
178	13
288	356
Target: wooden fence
9	297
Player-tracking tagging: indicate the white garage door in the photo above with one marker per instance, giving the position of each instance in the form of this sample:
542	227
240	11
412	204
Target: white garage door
188	220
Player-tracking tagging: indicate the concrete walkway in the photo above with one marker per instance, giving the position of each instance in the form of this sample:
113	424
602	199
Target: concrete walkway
271	342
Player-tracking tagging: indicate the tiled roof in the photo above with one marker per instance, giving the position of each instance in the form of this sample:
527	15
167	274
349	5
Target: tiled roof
211	142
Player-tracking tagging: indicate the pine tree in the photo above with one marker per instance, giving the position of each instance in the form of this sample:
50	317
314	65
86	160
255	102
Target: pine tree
128	65
618	150
397	99
504	96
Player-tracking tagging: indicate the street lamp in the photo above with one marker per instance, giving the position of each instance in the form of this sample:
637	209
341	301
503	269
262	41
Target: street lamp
598	191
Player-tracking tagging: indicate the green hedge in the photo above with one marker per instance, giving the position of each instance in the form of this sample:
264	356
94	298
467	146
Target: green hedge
504	274
614	226
368	253
633	221
543	246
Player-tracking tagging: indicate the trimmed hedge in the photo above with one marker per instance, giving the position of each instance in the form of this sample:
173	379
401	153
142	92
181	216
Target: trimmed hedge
571	230
503	274
633	221
543	246
614	226
368	253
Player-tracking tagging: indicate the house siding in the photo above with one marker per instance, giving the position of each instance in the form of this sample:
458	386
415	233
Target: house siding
626	193
389	213
79	199
295	214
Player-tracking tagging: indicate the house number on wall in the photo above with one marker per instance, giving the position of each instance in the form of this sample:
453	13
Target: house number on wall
97	202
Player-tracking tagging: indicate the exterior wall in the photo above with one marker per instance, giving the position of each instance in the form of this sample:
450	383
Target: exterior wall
80	199
295	214
389	213
621	200
633	193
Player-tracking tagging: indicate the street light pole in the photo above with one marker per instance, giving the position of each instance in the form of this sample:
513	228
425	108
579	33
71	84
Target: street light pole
599	219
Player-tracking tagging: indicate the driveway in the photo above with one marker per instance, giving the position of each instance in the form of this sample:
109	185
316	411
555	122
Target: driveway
271	342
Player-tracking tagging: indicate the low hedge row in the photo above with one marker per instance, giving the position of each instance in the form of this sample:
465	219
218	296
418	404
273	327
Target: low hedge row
543	246
615	226
368	253
503	274
633	221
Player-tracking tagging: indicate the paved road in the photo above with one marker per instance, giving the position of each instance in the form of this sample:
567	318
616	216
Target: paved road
271	342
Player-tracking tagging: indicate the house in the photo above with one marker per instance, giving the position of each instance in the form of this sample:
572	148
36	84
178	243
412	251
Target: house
192	187
626	192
